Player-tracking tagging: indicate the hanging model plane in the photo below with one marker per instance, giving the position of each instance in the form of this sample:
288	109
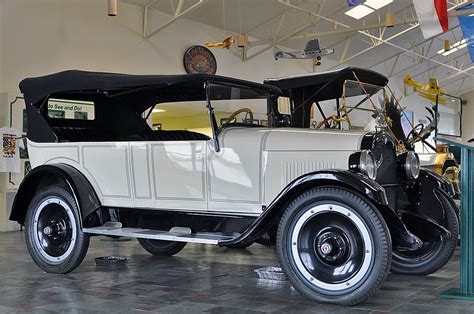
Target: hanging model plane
226	43
428	91
311	51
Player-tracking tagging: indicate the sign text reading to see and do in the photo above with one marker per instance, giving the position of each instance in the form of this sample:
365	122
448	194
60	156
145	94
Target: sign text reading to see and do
70	109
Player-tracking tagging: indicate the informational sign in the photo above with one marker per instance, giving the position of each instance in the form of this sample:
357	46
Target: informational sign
64	109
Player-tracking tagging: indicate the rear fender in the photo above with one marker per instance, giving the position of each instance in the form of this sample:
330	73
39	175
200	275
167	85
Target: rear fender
57	174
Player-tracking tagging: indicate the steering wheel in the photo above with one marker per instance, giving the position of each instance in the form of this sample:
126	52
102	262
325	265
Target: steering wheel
333	122
414	133
248	112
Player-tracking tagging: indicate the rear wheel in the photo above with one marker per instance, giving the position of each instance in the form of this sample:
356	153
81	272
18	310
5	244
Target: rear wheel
161	248
333	246
434	254
54	237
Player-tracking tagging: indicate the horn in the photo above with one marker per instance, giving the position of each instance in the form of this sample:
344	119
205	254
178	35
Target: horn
429	119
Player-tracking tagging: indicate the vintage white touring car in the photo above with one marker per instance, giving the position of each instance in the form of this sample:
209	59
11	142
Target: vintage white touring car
113	175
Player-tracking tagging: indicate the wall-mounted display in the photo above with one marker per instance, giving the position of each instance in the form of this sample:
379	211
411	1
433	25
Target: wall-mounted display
199	59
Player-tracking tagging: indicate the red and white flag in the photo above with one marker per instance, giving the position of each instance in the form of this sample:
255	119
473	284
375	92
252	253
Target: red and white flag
432	15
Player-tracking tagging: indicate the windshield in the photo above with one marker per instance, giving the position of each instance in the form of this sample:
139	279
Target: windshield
238	106
354	110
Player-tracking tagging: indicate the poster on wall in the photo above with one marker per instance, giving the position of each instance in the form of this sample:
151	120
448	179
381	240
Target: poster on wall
10	154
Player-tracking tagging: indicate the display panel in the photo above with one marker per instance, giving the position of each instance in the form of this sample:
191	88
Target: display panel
449	113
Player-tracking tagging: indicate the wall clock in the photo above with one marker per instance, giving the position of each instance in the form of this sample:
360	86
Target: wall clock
199	59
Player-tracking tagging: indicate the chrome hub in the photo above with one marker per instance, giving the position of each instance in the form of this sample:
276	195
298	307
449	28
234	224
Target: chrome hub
331	247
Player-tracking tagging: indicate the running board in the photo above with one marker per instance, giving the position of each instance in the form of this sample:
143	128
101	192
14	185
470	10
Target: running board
172	235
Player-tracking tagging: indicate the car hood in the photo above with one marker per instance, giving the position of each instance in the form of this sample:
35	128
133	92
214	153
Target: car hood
292	139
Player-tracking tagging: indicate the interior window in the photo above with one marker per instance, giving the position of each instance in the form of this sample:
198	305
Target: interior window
232	105
188	115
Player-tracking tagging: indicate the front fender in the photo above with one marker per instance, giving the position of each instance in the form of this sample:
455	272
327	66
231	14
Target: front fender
59	174
437	179
347	179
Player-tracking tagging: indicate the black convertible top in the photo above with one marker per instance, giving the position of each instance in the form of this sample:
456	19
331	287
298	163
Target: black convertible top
37	88
329	84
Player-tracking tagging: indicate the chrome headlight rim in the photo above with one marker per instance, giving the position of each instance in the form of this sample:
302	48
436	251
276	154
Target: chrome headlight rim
410	162
364	163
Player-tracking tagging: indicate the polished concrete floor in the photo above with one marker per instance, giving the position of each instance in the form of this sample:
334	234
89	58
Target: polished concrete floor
198	279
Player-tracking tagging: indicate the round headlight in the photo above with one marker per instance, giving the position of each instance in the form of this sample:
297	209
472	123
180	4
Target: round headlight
409	162
364	163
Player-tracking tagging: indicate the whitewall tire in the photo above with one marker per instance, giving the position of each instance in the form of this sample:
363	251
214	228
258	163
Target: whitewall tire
334	246
54	237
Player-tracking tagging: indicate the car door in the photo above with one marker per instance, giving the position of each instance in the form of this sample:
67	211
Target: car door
235	171
169	174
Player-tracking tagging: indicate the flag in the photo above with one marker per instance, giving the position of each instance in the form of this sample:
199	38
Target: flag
432	15
353	3
467	26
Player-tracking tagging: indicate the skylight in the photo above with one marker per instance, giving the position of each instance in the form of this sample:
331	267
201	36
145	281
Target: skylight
455	47
359	11
377	4
366	8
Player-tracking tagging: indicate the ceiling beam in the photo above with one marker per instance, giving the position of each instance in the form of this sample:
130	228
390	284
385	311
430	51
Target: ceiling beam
178	13
381	25
418	44
382	41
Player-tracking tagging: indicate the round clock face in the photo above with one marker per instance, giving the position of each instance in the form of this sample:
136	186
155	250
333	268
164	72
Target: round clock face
199	59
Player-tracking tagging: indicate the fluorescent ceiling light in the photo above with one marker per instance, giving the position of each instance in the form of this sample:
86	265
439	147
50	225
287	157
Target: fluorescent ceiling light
377	4
359	11
455	45
156	110
447	53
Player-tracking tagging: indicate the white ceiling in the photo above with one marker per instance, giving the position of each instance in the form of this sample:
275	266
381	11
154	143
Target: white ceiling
406	53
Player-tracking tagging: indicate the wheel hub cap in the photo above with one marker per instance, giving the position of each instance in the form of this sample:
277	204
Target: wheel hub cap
331	247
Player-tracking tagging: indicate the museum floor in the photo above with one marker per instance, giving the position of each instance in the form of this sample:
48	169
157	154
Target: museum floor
198	279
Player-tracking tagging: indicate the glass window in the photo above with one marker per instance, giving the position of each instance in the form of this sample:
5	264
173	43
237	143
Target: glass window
449	115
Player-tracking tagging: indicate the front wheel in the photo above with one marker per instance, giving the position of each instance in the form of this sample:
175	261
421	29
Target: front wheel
333	246
433	254
53	232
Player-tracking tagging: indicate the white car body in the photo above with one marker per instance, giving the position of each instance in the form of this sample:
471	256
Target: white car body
252	166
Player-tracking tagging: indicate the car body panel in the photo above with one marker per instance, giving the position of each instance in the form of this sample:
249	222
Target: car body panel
291	153
252	166
236	171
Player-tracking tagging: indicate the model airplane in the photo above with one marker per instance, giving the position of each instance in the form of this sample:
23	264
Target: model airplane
226	43
428	91
311	51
